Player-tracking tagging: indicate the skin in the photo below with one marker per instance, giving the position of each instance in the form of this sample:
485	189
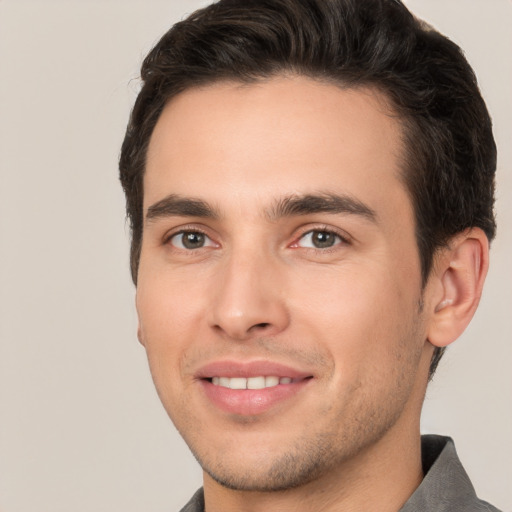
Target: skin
353	315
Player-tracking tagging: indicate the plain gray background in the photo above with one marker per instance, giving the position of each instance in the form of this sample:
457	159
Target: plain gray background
81	428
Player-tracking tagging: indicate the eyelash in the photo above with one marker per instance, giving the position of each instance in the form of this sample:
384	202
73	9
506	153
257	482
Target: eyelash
185	230
343	238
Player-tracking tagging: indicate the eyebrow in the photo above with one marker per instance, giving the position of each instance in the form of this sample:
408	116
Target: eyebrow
321	203
175	205
289	206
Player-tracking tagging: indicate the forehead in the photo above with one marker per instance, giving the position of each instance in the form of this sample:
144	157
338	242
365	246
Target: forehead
280	136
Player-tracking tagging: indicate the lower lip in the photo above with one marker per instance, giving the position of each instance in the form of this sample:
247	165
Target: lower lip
250	402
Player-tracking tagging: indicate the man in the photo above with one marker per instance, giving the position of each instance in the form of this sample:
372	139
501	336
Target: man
310	188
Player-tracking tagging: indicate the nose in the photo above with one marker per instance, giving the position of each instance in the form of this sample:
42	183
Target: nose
249	300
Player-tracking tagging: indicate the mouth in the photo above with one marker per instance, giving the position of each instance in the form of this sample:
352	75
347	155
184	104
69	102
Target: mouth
250	389
260	382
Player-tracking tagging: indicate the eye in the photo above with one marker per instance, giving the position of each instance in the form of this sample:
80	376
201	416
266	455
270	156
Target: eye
319	239
190	240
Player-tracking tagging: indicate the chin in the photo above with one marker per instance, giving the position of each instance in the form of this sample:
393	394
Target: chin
270	471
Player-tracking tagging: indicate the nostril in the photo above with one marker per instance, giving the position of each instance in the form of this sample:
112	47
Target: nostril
262	325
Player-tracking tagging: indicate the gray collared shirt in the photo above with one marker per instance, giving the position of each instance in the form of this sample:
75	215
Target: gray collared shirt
445	488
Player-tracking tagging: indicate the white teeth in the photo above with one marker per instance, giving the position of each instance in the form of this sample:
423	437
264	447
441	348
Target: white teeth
271	381
238	383
256	383
250	383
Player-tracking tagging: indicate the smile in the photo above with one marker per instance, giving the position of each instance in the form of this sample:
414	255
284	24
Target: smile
251	388
260	382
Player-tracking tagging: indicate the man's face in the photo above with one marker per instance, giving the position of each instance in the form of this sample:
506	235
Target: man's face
279	251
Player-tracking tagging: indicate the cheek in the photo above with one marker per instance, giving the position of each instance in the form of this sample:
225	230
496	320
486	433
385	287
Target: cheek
362	316
166	305
166	319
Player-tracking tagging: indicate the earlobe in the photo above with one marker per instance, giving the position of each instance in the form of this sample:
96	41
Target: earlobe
459	274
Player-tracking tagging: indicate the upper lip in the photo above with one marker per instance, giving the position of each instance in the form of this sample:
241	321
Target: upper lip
249	369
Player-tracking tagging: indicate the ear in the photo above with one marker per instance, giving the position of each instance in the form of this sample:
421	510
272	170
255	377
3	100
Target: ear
456	285
140	336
